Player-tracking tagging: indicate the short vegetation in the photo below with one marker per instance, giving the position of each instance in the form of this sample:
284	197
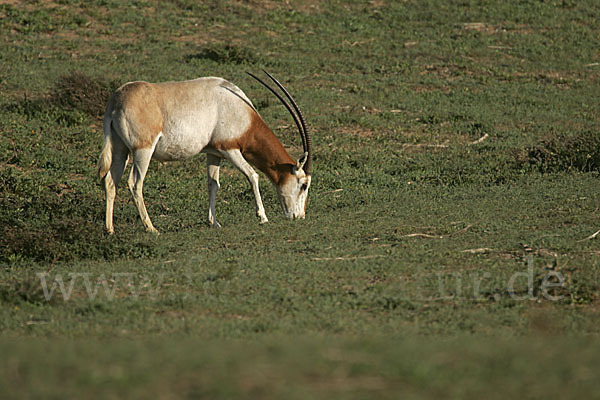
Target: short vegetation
453	206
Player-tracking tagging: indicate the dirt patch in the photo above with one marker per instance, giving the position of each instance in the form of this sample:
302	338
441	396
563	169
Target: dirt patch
356	131
306	7
430	88
482	27
543	320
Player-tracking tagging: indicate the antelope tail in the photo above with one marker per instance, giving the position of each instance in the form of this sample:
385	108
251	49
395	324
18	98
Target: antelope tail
105	160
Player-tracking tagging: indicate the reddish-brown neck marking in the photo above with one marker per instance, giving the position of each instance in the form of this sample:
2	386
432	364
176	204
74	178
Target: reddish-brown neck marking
261	148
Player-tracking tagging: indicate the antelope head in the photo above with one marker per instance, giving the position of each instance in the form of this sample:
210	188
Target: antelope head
292	190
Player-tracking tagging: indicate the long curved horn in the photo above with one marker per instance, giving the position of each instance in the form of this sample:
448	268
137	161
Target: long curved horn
307	143
282	100
298	118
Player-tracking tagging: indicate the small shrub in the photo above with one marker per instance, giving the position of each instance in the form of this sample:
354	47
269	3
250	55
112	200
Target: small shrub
580	152
27	289
77	91
69	101
227	54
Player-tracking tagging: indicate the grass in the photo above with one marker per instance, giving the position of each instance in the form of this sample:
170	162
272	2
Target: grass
455	178
337	369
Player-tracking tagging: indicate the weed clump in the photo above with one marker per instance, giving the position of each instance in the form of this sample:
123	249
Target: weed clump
227	54
27	289
46	223
77	91
69	239
72	99
579	152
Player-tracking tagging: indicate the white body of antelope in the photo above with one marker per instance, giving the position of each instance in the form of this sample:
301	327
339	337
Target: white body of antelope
177	120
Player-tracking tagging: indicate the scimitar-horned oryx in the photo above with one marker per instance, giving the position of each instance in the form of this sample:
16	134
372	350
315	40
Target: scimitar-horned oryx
177	120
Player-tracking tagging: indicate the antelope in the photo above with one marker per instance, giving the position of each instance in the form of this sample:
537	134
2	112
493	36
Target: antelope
177	120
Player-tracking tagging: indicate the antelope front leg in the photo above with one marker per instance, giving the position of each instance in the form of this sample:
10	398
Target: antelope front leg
236	158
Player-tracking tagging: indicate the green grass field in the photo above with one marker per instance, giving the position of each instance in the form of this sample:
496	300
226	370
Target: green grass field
446	251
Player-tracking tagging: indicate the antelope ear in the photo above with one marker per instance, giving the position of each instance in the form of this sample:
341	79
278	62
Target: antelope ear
301	161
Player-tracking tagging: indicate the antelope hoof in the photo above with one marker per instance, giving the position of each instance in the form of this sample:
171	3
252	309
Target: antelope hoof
110	231
263	220
153	230
215	225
